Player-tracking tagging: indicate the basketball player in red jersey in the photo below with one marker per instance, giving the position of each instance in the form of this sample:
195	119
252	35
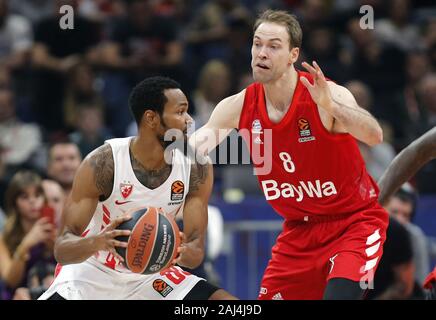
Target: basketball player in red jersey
334	228
124	174
403	167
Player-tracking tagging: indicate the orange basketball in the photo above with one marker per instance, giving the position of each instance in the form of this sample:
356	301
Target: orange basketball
153	243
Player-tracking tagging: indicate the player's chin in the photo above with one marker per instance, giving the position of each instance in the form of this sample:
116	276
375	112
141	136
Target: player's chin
259	76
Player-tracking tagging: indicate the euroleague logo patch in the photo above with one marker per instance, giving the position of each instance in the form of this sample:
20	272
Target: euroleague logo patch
305	133
177	190
162	287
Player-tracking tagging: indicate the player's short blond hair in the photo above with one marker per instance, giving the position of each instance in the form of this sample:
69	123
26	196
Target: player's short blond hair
285	19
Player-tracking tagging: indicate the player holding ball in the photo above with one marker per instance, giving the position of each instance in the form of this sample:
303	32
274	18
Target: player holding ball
124	174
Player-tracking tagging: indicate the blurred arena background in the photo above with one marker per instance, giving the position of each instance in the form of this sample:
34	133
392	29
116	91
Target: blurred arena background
72	85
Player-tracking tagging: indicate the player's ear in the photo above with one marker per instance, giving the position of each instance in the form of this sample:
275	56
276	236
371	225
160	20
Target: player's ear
293	55
151	118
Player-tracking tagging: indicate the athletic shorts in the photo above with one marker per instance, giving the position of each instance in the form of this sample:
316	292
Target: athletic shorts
310	252
90	280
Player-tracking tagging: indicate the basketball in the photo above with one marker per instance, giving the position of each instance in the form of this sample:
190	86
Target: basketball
153	242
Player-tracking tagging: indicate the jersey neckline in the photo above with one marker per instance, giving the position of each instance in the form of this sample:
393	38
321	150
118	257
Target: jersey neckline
170	176
289	112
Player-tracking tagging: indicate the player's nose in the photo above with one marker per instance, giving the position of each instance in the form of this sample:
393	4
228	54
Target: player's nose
262	53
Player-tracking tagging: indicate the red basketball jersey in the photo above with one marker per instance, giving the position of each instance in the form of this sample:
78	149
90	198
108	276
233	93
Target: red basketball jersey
313	172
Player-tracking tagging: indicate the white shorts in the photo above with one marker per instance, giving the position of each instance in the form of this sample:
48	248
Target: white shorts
90	280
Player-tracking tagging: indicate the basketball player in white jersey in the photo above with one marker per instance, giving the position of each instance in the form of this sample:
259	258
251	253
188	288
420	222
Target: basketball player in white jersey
124	174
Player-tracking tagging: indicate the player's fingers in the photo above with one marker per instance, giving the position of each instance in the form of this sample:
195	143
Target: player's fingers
121	244
181	249
182	236
306	83
309	68
116	255
118	233
116	222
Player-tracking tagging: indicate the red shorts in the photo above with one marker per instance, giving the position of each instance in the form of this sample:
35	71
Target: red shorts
309	253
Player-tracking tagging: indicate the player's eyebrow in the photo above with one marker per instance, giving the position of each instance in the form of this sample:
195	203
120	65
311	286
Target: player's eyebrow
272	39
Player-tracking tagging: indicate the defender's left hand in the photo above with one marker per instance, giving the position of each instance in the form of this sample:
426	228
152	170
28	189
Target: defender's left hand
319	91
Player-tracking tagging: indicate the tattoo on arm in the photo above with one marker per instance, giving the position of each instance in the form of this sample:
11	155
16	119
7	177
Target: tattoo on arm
198	176
102	163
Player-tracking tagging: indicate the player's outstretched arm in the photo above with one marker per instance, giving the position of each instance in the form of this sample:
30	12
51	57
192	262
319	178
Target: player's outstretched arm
223	119
406	164
93	180
340	104
195	216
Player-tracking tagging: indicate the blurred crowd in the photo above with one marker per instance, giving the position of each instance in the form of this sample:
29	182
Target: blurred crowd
63	92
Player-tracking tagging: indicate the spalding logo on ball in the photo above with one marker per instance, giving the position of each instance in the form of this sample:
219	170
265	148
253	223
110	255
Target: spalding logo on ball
153	242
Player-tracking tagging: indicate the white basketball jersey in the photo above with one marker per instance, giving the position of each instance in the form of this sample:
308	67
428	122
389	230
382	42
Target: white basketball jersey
129	193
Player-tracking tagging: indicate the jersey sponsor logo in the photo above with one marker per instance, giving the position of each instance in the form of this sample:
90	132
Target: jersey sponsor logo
118	202
162	287
177	190
256	126
126	189
273	191
304	131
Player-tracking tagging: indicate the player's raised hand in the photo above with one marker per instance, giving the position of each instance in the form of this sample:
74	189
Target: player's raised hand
319	90
105	240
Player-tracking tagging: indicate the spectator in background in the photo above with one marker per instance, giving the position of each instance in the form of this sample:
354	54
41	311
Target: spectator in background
19	140
313	14
426	177
381	67
55	197
430	41
402	206
213	86
322	44
427	97
34	10
394	278
15	37
63	161
90	130
410	114
396	30
4	180
55	52
141	44
207	36
101	10
27	238
378	157
81	89
40	276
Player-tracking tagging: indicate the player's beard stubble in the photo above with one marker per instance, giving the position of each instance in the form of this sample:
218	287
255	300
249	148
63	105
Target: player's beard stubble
174	135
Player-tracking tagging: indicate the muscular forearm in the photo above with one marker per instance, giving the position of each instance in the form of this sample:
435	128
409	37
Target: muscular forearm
70	248
406	164
358	122
402	168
